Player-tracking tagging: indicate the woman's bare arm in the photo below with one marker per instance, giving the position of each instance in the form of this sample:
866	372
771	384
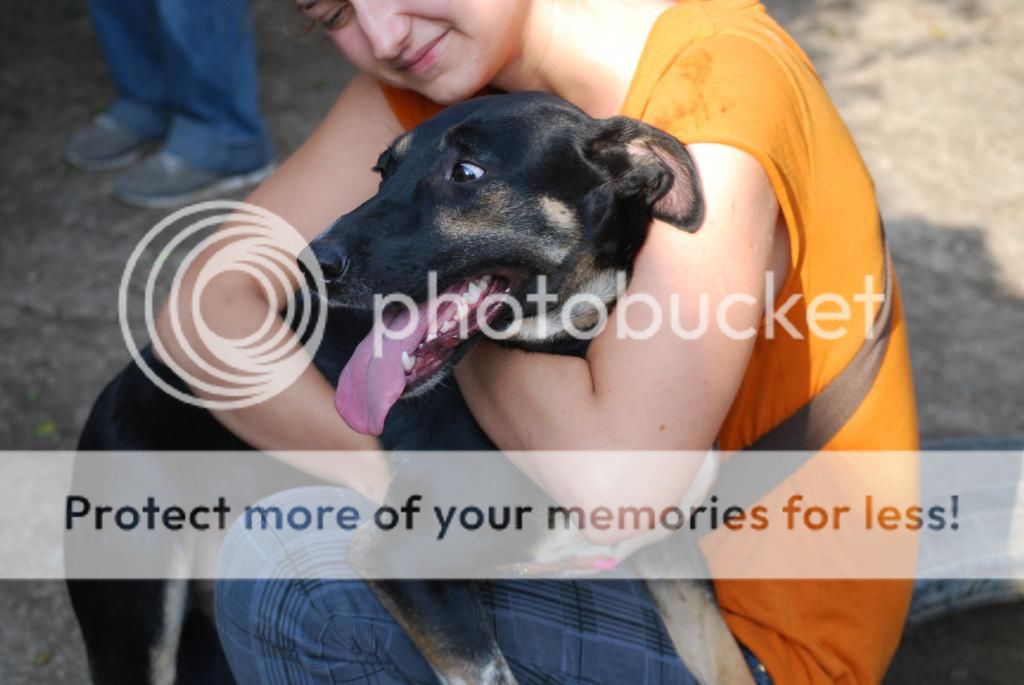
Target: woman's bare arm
327	177
662	393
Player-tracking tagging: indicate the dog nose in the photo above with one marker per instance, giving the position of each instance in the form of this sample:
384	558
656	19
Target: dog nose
333	261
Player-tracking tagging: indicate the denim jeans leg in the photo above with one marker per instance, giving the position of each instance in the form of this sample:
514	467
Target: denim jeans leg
210	58
129	36
291	612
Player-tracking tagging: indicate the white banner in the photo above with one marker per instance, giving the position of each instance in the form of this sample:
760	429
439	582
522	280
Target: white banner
473	515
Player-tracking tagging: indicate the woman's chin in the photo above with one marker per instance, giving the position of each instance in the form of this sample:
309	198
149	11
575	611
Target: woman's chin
445	85
449	89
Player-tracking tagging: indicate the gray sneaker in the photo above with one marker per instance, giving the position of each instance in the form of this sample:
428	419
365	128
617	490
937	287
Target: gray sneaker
164	181
105	145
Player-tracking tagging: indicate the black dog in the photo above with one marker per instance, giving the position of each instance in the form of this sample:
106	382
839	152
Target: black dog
489	195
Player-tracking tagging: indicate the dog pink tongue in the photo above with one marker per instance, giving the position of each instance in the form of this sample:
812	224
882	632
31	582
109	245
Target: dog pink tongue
370	383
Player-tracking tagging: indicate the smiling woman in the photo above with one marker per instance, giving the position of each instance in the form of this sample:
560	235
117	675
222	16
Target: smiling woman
786	195
446	50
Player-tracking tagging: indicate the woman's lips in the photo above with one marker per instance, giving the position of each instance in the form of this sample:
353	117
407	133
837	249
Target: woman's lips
426	57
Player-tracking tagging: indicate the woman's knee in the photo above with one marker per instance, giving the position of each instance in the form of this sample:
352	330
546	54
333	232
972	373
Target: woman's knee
271	559
294	534
287	602
313	631
282	626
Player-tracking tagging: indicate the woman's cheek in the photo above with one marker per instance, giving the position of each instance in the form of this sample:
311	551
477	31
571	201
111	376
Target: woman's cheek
449	87
463	69
356	49
466	71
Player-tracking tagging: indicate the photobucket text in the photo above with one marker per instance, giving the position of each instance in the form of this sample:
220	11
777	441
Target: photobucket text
536	312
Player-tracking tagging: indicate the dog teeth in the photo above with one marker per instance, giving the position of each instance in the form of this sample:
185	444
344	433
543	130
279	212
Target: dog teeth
407	361
447	326
462	310
472	294
431	337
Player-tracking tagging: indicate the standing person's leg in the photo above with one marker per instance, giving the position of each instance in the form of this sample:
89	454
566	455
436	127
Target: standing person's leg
217	140
210	57
129	35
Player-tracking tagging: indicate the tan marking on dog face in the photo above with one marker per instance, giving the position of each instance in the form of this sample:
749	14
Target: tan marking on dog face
443	143
402	145
491	212
560	216
554	252
494	217
495	213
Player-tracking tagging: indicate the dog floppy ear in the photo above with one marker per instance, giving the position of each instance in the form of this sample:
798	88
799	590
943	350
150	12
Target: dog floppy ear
650	176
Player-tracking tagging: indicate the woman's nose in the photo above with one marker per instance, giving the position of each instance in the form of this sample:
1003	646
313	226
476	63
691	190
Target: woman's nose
385	29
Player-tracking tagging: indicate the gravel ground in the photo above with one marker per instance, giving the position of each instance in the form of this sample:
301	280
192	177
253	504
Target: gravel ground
929	88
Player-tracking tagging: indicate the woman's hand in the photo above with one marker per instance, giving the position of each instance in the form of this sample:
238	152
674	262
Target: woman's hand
659	393
575	567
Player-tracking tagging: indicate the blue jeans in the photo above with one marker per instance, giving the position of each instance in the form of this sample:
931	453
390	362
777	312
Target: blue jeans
185	70
280	631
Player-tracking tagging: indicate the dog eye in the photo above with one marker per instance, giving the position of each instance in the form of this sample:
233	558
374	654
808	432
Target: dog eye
464	171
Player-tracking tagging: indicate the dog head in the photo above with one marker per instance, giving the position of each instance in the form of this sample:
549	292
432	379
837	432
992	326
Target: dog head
495	201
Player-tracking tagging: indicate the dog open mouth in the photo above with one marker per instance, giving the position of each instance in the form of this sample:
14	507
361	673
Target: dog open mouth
414	347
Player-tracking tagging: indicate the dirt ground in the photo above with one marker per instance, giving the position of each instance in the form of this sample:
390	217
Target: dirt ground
932	90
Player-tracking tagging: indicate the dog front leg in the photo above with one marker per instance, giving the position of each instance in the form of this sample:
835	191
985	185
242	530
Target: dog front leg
690	612
699	633
448	625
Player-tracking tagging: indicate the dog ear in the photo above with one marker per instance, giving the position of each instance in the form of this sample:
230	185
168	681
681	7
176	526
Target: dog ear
650	176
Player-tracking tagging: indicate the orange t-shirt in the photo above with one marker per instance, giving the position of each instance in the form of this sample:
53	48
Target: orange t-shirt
723	71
